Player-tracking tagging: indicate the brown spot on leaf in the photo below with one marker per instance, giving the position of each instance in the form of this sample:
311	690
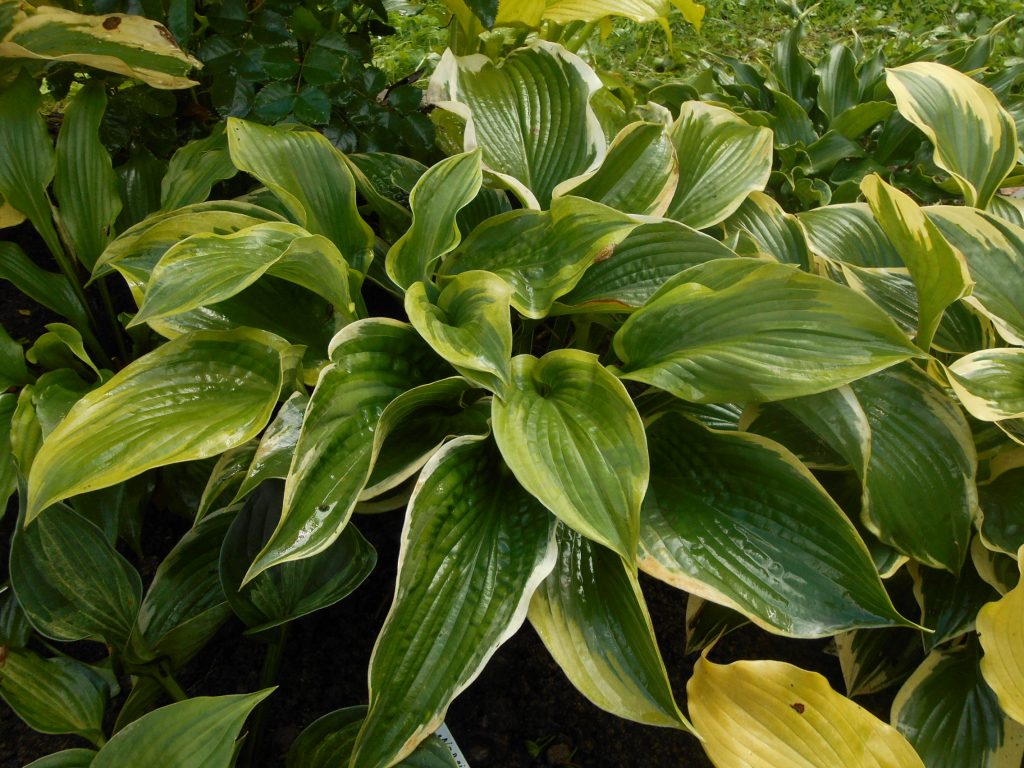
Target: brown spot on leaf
112	22
604	254
165	33
798	708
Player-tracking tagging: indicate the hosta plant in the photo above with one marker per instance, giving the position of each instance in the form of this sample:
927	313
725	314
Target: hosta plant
569	358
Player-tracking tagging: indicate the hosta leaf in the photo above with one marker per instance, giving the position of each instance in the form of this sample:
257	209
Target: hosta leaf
285	161
542	255
194	397
951	716
638	174
995	568
61	346
55	695
722	159
436	200
1001	632
1009	208
209	268
938	269
727	542
755	713
273	455
66	758
194	169
84	182
641	263
875	659
468	325
226	478
328	742
920	494
755	331
591	616
374	361
474	547
199	731
706	622
949	604
1002	511
71	583
8	469
775	232
990	383
891	288
571	435
975	138
994	250
51	289
530	116
295	588
132	46
849	233
185	604
531	12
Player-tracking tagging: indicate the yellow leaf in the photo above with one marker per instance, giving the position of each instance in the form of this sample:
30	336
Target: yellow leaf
753	714
1001	629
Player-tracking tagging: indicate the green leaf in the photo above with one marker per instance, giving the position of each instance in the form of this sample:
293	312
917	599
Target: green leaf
755	332
849	233
328	742
591	616
949	604
542	255
474	547
8	469
437	198
570	433
920	495
530	116
208	268
373	362
773	231
27	159
994	252
13	372
638	174
772	713
641	263
139	181
938	269
132	46
468	325
728	541
707	622
1002	511
975	138
199	731
873	660
185	604
722	159
66	758
990	383
194	397
294	588
84	183
61	346
285	161
194	169
838	85
273	455
951	716
71	583
55	695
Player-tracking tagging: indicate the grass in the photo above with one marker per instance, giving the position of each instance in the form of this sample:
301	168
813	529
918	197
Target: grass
746	29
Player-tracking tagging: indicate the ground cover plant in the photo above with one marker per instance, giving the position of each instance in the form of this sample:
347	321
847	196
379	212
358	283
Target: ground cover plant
584	345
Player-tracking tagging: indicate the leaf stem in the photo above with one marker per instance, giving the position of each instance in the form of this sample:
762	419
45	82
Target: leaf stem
268	678
115	329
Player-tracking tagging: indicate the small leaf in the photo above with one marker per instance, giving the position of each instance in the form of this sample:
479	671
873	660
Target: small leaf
71	583
591	616
208	391
55	695
571	435
186	734
771	713
468	325
474	547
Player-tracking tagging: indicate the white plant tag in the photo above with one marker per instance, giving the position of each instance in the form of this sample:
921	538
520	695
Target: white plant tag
448	740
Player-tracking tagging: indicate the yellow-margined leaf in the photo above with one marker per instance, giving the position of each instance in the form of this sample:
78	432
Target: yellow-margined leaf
1001	629
754	714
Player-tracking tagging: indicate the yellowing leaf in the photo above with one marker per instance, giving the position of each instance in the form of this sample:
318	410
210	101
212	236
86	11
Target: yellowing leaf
753	714
1001	629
